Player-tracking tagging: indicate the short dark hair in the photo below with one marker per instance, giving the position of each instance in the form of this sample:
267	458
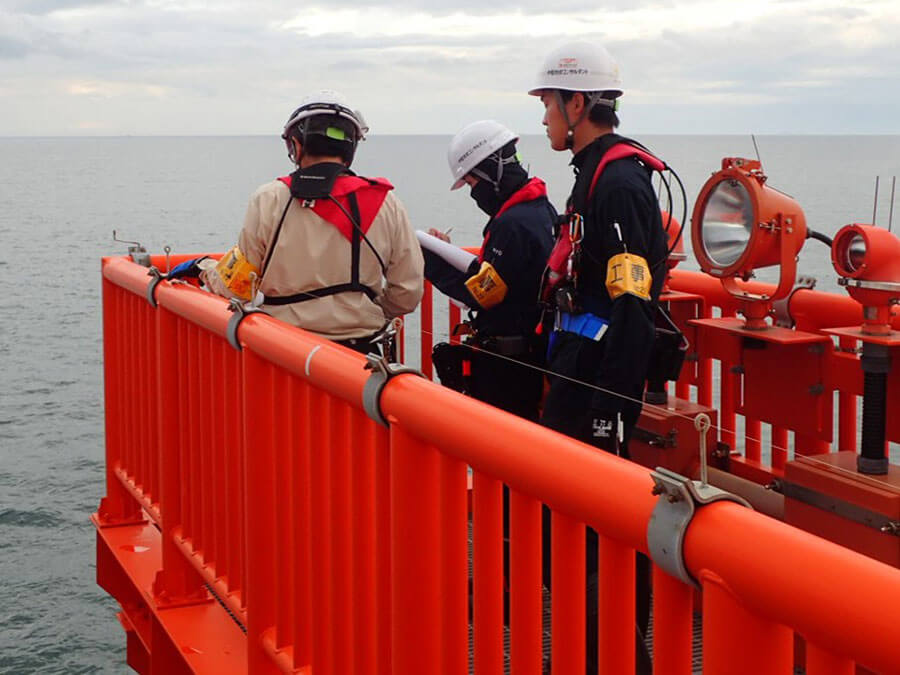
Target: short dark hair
599	114
319	144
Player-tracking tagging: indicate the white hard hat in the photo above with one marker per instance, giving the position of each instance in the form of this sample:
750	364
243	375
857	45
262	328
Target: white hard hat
579	66
475	143
326	102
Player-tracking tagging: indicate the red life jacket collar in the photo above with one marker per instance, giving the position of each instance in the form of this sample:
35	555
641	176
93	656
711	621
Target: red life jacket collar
533	189
370	195
621	151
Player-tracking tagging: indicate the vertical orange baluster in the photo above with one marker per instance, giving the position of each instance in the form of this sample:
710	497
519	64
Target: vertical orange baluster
383	528
260	473
284	450
672	624
454	566
307	443
616	608
567	587
321	532
525	602
415	555
487	573
736	642
363	579
338	487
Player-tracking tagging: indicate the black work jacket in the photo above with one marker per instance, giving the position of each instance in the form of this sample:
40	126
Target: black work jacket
624	195
518	243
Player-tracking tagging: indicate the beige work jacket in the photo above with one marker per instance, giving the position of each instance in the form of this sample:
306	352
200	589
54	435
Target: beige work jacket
310	253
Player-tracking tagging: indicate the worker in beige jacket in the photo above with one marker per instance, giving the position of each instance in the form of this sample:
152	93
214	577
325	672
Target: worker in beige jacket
323	248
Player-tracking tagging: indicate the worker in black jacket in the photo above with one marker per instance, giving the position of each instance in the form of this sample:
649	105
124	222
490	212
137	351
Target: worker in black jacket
502	284
603	280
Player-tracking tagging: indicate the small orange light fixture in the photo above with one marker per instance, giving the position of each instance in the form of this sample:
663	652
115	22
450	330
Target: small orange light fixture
867	261
740	224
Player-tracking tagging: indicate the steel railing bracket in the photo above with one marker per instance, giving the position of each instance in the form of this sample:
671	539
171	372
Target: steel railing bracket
679	499
240	311
383	372
156	277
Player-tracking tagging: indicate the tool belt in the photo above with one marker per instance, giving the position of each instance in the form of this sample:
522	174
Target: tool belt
504	345
454	363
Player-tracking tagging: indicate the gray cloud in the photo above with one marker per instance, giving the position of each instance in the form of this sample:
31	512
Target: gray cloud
11	48
42	7
141	68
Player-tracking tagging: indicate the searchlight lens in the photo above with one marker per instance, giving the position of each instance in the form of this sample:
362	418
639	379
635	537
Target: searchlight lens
855	253
727	222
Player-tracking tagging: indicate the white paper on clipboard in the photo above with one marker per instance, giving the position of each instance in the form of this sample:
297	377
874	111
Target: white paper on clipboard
453	255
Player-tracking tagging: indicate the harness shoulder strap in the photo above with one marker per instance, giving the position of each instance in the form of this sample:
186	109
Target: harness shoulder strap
621	151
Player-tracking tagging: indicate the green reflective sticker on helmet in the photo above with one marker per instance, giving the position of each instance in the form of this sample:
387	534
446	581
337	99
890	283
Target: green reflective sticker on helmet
518	157
335	133
616	106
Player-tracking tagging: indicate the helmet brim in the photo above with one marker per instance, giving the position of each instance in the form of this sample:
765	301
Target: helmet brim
539	91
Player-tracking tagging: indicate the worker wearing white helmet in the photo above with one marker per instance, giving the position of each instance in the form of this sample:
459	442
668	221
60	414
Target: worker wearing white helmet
323	248
502	284
606	270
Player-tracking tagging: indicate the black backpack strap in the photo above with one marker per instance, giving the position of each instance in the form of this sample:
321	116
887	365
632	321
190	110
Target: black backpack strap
268	257
355	241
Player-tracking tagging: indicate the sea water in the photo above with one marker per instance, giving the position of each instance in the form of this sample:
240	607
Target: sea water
60	200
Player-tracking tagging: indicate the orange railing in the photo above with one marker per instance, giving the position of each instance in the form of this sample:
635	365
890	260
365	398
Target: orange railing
839	370
339	545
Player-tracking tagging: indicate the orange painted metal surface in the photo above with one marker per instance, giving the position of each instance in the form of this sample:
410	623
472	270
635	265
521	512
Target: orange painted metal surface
342	546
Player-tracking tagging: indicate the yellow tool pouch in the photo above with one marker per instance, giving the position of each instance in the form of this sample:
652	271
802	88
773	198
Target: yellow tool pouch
234	270
628	273
487	287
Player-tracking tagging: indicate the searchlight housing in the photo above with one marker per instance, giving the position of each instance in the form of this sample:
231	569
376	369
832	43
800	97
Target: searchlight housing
741	224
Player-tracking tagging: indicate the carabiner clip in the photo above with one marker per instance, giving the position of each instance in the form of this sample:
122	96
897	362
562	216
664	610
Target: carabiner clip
576	228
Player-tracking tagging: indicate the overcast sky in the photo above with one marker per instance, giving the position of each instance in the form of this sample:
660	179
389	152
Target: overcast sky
146	67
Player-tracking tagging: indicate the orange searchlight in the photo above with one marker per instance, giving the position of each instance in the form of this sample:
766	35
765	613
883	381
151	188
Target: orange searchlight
740	224
867	260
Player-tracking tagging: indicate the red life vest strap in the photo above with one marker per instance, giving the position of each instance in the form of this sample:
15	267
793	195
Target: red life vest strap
533	189
370	195
621	151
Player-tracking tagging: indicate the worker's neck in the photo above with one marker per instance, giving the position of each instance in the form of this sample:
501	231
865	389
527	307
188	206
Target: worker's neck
309	160
586	133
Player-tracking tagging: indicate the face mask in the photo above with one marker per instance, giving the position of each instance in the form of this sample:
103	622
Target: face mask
487	200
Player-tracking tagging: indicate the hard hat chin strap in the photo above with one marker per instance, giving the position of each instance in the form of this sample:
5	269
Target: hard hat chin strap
590	100
501	162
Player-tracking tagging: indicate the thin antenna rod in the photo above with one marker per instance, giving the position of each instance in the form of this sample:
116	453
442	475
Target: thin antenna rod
756	147
891	212
875	205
